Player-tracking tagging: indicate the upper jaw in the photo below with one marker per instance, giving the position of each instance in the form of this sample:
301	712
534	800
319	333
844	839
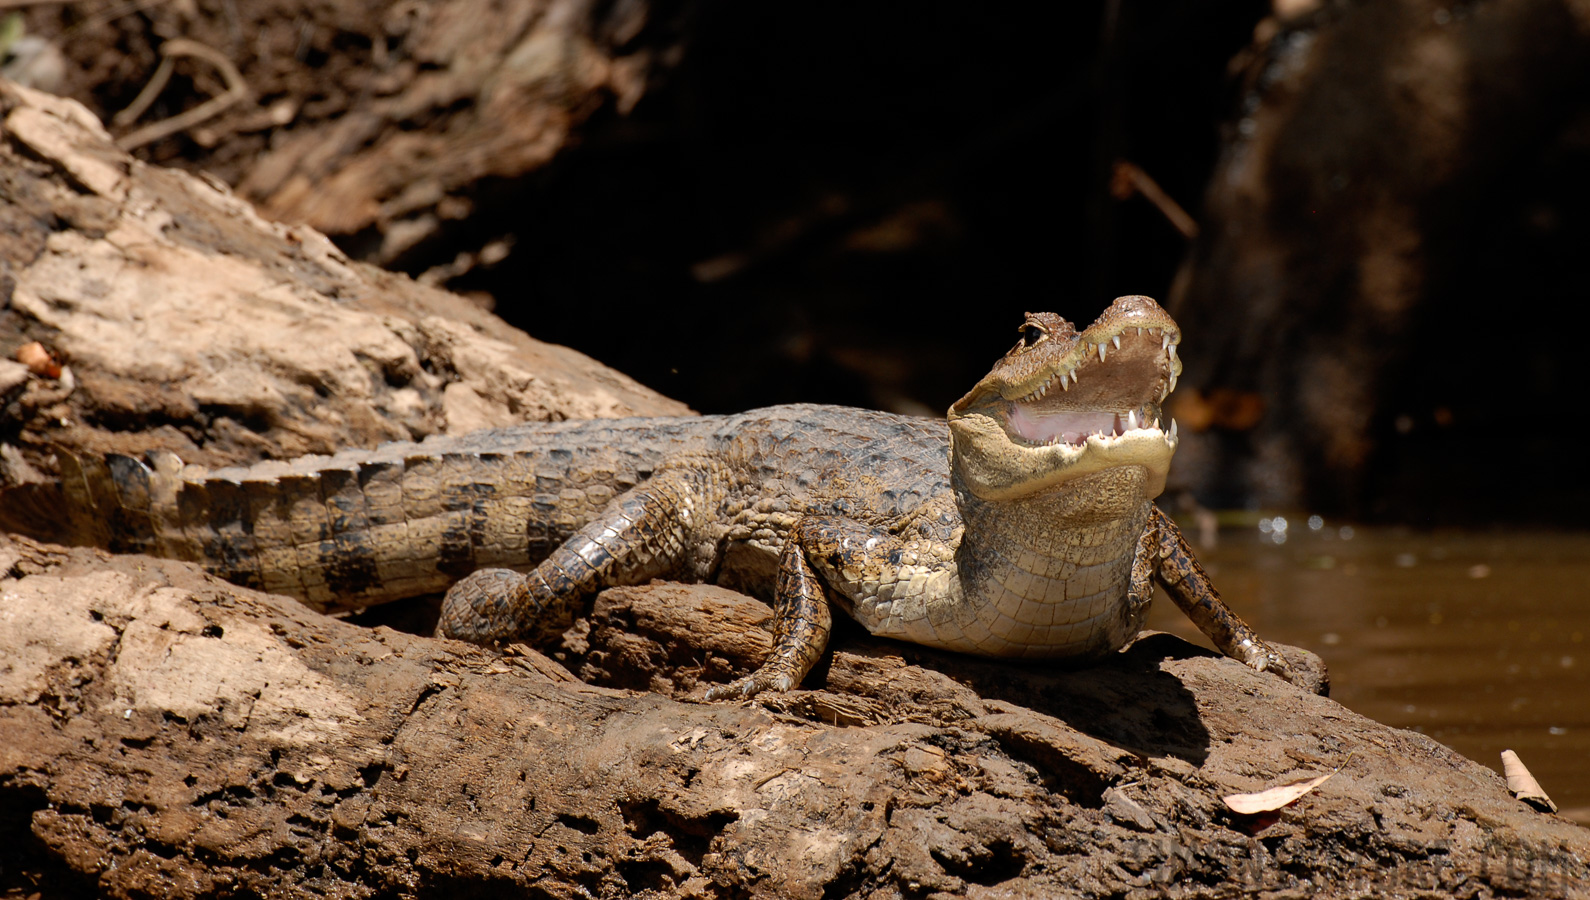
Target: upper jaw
1106	386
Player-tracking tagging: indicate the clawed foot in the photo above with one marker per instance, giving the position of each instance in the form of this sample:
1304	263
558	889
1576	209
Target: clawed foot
763	679
1309	674
1261	657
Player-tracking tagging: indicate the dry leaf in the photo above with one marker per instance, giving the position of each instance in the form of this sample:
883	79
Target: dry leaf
1523	785
38	360
1272	799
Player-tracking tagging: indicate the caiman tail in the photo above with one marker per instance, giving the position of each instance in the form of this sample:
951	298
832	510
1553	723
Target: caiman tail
360	527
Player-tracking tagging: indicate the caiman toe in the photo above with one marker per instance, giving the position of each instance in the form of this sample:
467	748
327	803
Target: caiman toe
1292	664
745	688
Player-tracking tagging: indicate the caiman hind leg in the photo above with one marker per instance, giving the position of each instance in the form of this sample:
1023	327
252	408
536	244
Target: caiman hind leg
1188	585
802	623
642	534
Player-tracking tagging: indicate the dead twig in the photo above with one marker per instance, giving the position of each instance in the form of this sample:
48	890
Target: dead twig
236	90
1129	180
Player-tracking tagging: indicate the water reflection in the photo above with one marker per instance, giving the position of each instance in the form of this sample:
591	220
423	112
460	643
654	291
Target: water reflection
1480	640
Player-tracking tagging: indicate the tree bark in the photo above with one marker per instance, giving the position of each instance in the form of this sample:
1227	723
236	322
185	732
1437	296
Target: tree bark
1364	216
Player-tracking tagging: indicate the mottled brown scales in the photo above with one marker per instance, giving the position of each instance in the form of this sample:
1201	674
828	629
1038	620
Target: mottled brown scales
1021	527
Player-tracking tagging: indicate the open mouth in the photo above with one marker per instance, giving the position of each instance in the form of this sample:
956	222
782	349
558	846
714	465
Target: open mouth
1063	405
1029	424
1107	389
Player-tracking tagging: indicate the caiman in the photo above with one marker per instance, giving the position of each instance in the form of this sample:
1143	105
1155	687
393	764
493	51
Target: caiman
1023	526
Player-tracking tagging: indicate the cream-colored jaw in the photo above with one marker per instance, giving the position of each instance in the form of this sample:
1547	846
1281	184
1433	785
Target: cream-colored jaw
1071	405
995	468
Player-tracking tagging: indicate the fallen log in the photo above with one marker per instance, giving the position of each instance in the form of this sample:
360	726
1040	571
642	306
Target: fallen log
170	734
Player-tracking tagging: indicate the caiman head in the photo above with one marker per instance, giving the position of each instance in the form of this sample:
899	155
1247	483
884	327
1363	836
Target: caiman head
1063	404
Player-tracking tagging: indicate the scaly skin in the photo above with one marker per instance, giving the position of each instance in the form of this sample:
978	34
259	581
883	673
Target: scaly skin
1044	544
1008	533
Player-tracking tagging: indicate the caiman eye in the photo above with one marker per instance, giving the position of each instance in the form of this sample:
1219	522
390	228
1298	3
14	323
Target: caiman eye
1031	334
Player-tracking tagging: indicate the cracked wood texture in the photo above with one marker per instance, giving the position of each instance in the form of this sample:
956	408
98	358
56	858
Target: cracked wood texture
188	323
169	734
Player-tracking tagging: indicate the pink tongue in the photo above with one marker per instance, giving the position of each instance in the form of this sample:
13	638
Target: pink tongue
1070	427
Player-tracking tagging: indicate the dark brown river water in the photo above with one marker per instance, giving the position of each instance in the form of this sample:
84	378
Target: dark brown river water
1479	640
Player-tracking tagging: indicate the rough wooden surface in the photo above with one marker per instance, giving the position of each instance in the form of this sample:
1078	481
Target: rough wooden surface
365	120
188	323
171	735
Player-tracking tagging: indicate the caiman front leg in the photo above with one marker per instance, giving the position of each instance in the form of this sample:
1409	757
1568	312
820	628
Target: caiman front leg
802	623
1188	585
642	534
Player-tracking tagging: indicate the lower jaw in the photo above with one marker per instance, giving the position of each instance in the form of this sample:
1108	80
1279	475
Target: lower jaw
992	467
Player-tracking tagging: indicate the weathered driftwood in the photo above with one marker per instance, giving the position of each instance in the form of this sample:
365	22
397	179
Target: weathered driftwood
169	734
188	323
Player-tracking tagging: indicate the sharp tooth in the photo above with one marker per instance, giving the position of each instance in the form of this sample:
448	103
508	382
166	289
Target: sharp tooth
1156	425
1171	350
1075	378
1131	420
1164	342
1173	428
1101	351
1172	384
1116	341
